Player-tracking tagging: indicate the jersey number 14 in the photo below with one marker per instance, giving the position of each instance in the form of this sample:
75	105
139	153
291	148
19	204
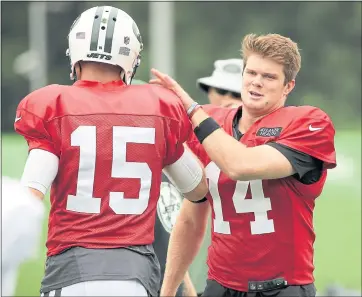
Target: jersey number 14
259	205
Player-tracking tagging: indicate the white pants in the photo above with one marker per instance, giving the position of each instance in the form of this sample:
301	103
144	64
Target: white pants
102	288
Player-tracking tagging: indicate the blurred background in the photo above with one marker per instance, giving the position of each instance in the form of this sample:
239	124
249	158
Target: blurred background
184	39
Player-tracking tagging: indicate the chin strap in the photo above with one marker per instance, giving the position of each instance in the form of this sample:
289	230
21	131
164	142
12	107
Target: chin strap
138	62
122	75
73	76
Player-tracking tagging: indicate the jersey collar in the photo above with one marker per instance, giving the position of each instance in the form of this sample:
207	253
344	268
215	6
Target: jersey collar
236	132
96	84
235	117
232	121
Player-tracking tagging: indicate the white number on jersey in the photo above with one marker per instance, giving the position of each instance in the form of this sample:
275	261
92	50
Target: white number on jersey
259	205
83	201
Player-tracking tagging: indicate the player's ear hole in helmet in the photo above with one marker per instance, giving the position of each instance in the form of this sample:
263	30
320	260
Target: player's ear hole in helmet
108	35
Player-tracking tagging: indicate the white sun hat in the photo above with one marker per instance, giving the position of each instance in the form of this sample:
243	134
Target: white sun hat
227	75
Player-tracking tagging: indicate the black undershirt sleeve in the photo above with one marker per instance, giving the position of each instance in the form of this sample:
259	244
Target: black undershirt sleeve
308	169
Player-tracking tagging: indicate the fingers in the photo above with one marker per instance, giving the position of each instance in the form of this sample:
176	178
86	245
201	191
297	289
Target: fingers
169	83
157	73
155	81
163	78
160	78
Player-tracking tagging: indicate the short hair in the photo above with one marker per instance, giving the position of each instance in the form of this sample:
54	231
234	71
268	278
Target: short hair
276	47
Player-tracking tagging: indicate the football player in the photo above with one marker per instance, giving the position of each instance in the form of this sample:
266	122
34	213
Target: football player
223	86
266	164
102	144
21	226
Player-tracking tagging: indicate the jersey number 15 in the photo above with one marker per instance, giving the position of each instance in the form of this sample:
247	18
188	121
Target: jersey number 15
83	201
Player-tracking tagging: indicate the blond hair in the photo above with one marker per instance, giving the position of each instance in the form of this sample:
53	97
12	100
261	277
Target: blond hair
275	47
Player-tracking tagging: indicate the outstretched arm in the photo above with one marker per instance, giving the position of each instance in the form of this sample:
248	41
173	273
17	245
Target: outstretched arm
191	224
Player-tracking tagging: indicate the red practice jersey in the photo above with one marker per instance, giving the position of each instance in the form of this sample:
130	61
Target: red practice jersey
263	229
112	142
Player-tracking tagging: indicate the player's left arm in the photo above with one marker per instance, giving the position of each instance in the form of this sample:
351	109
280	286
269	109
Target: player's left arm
42	163
189	289
272	161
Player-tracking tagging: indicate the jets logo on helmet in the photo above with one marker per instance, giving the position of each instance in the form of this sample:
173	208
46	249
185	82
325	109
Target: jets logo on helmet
102	30
168	205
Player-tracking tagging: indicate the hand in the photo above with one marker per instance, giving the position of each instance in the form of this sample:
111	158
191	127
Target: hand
169	83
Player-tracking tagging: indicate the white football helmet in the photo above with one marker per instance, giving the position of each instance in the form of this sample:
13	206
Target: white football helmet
105	34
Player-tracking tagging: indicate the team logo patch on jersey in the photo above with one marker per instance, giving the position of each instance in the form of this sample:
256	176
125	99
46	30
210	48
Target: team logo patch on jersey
269	132
168	205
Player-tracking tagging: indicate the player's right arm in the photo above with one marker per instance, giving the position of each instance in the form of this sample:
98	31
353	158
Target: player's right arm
43	159
181	166
191	224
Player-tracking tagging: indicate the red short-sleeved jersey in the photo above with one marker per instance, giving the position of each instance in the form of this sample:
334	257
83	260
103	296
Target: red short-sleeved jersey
263	229
112	142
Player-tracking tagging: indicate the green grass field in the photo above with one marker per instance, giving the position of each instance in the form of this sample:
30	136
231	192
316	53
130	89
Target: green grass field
337	220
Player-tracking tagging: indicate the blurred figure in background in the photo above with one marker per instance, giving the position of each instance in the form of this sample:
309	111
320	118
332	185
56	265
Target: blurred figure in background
21	228
223	86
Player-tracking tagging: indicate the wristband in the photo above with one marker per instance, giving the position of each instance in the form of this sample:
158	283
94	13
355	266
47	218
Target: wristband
191	108
205	128
194	110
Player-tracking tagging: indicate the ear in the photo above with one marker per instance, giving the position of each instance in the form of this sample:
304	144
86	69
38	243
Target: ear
289	87
77	70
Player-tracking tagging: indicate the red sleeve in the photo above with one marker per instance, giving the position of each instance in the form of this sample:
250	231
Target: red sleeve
193	143
218	114
312	135
179	126
33	128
